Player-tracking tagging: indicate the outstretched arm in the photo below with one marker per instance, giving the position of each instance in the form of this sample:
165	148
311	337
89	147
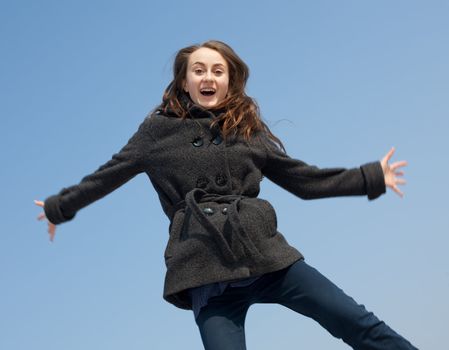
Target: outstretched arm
122	167
310	182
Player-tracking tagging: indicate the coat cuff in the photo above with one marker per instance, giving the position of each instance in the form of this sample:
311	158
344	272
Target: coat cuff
374	179
53	211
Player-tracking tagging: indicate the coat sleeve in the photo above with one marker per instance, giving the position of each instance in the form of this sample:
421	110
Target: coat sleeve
310	182
122	167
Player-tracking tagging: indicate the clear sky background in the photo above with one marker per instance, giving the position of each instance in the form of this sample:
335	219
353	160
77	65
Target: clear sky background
340	82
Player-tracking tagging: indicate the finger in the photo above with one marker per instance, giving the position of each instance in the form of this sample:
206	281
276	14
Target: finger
396	165
389	154
398	191
399	173
51	231
400	181
39	203
41	216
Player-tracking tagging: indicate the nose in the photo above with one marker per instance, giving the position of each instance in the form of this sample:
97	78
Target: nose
208	76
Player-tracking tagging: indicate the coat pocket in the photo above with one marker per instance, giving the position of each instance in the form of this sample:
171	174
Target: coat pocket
258	219
174	234
269	214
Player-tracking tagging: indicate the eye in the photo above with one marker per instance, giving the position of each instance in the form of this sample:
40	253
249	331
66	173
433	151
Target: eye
198	71
219	72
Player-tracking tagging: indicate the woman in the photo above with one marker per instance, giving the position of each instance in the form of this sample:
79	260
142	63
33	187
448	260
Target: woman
205	150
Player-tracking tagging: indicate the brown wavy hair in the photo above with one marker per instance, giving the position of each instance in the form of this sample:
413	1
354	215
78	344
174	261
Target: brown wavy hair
241	112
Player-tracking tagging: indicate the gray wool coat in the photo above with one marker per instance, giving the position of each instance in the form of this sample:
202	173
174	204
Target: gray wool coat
208	187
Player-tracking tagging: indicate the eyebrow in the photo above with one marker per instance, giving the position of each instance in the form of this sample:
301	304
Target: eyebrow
215	64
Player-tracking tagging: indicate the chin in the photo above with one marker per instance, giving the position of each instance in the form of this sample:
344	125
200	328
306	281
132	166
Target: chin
210	104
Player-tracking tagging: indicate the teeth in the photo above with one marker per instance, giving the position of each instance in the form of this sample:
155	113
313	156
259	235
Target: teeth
208	91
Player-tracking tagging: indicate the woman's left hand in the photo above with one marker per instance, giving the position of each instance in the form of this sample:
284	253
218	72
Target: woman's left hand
391	172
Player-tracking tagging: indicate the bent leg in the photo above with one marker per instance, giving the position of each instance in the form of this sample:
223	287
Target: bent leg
222	323
305	290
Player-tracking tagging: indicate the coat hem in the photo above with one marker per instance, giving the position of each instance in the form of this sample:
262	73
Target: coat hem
180	297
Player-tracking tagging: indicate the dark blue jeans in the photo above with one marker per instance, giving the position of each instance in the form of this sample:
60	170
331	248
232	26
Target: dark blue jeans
303	289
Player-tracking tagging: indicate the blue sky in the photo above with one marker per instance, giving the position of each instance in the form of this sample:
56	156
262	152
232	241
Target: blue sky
338	82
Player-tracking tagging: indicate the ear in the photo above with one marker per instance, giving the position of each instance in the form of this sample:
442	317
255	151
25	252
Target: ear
184	83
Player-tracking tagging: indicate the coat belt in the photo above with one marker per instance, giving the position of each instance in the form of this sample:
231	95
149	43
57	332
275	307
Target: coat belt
196	196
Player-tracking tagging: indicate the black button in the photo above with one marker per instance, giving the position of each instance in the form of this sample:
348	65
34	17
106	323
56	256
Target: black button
202	182
224	210
220	180
198	142
208	211
217	140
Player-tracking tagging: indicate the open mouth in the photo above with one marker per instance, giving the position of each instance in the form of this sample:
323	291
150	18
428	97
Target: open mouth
207	92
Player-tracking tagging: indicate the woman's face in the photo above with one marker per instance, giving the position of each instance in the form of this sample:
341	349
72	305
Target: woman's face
207	77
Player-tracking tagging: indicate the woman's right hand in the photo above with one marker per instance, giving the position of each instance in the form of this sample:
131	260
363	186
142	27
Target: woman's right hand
51	227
